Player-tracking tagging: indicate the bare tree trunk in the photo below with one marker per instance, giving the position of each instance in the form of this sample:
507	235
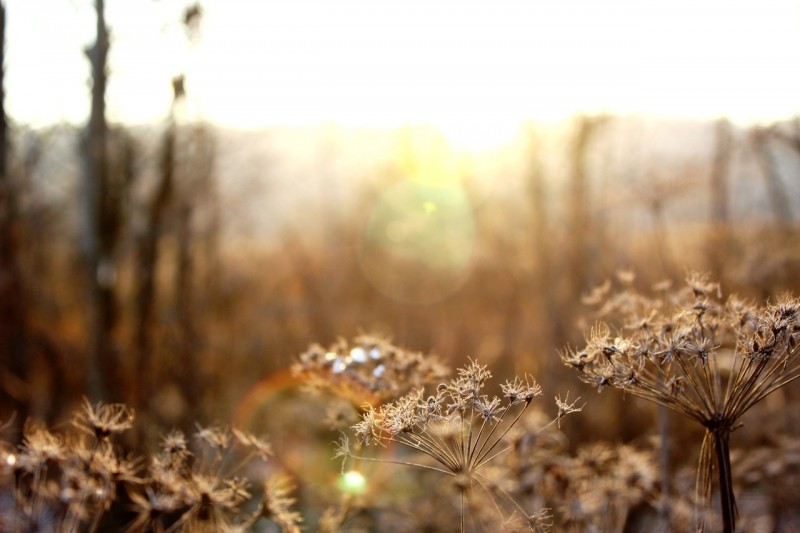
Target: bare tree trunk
579	224
209	236
792	140
13	372
538	197
197	221
779	200
3	122
147	267
184	306
99	232
541	235
719	238
660	237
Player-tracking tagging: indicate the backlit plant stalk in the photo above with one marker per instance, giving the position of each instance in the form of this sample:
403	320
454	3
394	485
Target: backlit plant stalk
707	359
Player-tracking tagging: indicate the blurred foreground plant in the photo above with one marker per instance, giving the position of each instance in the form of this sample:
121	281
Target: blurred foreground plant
67	482
368	368
708	359
83	480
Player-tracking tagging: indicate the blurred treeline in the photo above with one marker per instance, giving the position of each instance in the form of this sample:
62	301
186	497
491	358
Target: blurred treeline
174	266
201	307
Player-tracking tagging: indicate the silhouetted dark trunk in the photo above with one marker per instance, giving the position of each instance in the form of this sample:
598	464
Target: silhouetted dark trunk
147	267
13	369
100	226
184	308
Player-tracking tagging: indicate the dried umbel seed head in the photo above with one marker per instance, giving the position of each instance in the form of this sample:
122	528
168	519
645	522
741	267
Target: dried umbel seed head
204	489
367	368
259	445
705	358
103	420
277	504
600	486
72	480
175	444
39	448
521	390
214	436
460	427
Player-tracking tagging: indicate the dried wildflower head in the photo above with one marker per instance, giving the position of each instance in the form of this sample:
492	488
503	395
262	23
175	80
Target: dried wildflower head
599	487
71	481
277	504
215	437
707	359
259	445
368	368
776	463
530	469
106	462
333	518
174	444
103	420
459	426
211	503
196	484
565	407
67	481
153	509
521	390
39	448
702	286
89	479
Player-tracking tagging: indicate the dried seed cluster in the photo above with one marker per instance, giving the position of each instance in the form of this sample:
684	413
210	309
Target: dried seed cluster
83	481
709	359
367	368
462	429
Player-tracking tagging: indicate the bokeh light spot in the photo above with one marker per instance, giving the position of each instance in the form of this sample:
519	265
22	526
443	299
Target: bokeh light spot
353	482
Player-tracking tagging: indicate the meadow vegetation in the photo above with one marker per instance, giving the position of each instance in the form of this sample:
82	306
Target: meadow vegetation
433	354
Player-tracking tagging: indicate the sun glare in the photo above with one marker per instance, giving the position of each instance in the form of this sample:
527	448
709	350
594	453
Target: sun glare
474	70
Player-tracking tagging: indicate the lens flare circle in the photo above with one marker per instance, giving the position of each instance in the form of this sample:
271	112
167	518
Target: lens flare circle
417	247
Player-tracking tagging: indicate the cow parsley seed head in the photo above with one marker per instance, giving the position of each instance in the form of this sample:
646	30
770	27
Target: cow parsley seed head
103	420
709	359
565	407
366	368
462	429
521	390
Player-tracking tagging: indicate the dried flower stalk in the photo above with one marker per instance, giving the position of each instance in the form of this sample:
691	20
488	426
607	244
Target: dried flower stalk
708	359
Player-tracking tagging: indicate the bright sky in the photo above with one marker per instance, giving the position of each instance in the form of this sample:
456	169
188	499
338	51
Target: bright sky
475	66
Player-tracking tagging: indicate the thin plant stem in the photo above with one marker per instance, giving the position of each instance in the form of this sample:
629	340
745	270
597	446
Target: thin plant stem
483	453
663	430
727	501
406	463
470	459
463	492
